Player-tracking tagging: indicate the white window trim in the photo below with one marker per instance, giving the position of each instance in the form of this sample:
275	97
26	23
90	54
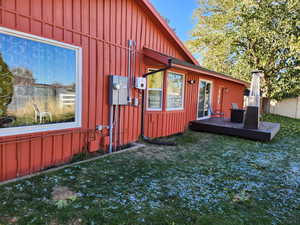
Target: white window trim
155	89
183	91
56	126
211	98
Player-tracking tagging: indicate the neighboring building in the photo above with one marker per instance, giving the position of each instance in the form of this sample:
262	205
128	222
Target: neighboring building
26	90
22	76
289	107
84	42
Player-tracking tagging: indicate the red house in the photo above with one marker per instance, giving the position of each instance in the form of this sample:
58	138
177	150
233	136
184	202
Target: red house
96	53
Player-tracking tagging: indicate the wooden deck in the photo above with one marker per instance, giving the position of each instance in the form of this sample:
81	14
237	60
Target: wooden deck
266	131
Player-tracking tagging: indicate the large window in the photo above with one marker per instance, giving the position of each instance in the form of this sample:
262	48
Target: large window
175	91
39	84
155	91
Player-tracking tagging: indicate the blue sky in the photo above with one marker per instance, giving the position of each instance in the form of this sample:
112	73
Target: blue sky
179	12
48	63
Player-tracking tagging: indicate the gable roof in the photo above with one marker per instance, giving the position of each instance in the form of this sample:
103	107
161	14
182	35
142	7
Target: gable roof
194	66
167	28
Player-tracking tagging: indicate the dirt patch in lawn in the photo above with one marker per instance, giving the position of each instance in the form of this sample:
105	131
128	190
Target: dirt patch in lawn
188	142
71	222
62	193
152	152
8	220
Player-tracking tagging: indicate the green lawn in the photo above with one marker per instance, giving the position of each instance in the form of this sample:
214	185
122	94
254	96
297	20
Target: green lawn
206	180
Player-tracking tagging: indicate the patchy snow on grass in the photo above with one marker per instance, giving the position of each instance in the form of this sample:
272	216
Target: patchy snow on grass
239	181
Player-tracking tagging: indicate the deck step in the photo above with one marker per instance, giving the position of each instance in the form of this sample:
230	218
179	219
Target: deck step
266	131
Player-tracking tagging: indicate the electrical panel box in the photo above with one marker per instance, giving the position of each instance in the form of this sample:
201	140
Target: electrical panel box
140	83
118	90
136	102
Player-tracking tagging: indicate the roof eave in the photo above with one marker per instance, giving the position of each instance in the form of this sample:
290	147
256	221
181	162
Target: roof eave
177	63
164	24
211	73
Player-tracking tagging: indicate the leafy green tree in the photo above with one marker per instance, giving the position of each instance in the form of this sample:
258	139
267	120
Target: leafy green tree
6	87
236	37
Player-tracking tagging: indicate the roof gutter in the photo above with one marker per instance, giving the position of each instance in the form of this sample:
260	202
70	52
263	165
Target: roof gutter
210	73
169	65
177	63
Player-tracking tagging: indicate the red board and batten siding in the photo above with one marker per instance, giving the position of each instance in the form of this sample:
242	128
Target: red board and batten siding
102	29
165	123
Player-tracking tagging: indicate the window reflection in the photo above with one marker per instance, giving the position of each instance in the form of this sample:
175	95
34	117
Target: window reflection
155	90
37	82
175	91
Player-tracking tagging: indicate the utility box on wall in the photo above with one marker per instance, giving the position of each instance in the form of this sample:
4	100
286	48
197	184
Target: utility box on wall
140	83
118	90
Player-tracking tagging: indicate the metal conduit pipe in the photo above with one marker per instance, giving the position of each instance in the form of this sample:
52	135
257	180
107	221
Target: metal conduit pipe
129	69
134	63
111	126
116	125
114	111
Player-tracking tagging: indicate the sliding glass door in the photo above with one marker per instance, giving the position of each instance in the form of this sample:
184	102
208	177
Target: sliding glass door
204	99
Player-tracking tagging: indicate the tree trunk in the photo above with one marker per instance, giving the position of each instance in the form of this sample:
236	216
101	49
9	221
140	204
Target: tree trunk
266	105
266	101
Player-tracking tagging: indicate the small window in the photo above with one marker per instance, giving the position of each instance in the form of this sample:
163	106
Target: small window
175	91
155	91
39	84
